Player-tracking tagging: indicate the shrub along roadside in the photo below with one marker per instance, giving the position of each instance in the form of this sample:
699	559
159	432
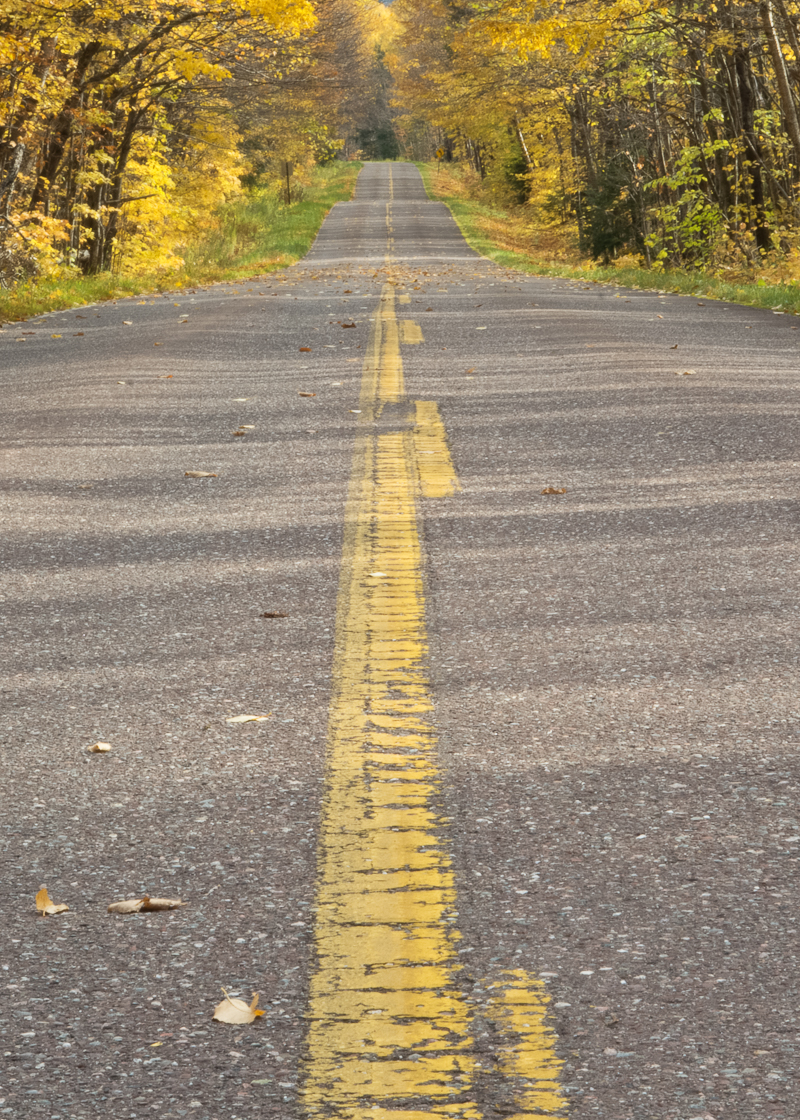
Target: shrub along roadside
258	233
504	237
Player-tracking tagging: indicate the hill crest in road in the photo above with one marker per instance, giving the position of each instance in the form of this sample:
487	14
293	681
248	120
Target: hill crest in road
390	219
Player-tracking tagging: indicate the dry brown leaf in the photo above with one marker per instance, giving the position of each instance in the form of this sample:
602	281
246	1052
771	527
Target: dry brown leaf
162	903
99	748
554	490
199	474
129	906
305	349
306	394
273	614
239	433
78	334
685	372
675	347
236	1011
248	719
45	904
347	325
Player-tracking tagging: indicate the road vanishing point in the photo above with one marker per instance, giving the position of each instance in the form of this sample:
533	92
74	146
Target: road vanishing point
442	621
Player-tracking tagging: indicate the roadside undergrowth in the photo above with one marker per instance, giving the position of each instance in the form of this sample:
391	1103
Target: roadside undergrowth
507	236
257	233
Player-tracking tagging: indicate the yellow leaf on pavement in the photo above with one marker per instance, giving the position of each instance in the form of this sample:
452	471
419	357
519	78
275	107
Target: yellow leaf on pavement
100	748
129	906
247	719
236	1011
554	490
45	904
135	905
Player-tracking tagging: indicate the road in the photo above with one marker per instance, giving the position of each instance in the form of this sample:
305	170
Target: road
510	566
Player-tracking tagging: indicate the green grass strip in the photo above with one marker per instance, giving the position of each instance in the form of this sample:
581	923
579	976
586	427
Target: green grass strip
258	233
468	214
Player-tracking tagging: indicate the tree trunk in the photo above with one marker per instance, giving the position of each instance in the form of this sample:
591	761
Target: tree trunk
781	76
747	101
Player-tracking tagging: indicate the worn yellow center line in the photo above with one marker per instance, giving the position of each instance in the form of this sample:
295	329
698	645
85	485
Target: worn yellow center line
389	1034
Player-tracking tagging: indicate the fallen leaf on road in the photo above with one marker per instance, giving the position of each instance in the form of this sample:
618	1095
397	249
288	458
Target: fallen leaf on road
356	411
305	349
429	309
685	372
247	719
162	903
481	328
471	369
306	394
78	334
347	325
247	427
135	905
129	906
554	490
127	323
99	748
45	904
55	336
273	614
239	433
199	474
163	376
236	1011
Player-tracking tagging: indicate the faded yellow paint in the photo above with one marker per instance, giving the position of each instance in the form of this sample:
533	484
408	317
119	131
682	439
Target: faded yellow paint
437	475
389	1034
518	1006
410	331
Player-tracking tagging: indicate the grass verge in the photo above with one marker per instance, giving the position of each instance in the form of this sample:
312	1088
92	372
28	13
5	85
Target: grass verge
506	237
257	233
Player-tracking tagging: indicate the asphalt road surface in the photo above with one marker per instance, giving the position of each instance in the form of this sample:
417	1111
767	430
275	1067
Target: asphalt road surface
510	565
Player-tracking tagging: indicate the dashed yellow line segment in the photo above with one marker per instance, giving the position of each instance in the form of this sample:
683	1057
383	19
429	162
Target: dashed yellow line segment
390	1031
